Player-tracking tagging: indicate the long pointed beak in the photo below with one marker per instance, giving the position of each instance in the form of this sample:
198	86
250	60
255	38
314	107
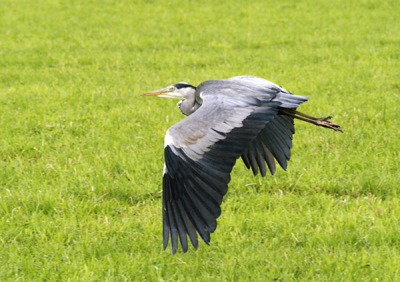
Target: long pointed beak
167	92
158	92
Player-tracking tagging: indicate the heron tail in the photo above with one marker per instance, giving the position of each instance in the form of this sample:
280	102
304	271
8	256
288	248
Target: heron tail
324	121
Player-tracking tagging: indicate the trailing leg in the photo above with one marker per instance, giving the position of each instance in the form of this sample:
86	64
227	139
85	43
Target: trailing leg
323	121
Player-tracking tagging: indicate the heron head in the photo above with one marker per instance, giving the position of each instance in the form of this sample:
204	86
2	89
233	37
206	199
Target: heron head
181	90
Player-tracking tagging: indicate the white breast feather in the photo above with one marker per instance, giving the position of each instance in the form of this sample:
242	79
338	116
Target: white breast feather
168	139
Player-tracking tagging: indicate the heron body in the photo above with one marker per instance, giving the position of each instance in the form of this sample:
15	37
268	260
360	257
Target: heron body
243	116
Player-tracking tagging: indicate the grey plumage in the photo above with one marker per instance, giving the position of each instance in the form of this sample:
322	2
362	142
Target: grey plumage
243	116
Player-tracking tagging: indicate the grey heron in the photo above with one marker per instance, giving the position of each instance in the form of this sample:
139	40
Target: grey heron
243	116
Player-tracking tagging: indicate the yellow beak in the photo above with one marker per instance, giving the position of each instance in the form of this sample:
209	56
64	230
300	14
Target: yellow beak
167	92
158	92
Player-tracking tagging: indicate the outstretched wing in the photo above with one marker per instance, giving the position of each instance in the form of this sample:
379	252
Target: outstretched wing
201	150
275	140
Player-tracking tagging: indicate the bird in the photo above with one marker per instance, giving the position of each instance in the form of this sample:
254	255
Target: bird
242	116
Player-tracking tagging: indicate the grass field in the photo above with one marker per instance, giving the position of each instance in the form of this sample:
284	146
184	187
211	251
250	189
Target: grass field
81	153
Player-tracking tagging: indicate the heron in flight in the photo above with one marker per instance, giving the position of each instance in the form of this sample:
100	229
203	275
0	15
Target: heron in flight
243	116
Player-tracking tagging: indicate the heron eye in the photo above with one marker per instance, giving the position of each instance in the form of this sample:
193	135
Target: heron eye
171	89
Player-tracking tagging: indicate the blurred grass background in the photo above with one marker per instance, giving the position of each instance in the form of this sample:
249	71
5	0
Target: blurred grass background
81	154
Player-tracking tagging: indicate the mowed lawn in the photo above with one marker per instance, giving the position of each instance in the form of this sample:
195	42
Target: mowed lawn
81	153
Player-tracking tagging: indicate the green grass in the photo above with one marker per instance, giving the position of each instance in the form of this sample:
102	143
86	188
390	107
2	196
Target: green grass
81	153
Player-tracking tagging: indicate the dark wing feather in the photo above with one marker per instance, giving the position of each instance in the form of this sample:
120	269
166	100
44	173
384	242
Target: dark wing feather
275	140
200	152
